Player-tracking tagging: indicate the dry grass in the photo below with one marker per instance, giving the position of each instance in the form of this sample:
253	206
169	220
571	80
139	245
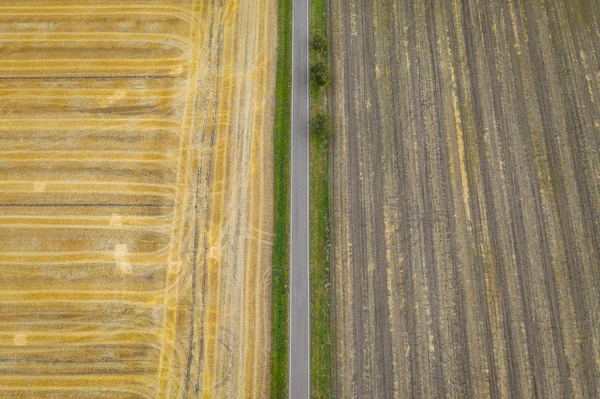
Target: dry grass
136	201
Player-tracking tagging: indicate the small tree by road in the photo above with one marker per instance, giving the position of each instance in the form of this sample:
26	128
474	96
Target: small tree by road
319	73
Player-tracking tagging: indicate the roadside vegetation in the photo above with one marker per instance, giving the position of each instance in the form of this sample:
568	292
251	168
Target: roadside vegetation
320	130
281	256
319	73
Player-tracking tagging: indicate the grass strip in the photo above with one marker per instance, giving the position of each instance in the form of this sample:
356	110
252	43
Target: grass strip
281	255
320	283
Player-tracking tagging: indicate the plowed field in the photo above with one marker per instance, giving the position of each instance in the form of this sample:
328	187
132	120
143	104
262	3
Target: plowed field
466	198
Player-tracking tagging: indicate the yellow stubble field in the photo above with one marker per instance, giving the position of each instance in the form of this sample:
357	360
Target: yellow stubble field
135	198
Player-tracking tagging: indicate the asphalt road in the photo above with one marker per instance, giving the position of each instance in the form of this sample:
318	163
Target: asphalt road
299	362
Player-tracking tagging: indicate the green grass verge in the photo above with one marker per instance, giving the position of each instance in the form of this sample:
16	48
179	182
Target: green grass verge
320	285
281	256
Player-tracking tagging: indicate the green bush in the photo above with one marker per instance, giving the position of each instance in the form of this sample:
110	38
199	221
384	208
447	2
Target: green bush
319	73
319	126
319	43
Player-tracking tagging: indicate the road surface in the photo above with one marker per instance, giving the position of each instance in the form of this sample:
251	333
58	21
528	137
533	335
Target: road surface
299	371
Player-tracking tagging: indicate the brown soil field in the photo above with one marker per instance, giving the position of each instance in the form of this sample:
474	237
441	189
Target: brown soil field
466	198
136	198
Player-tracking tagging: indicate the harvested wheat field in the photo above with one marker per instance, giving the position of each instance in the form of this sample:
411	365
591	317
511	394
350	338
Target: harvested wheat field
135	198
466	198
